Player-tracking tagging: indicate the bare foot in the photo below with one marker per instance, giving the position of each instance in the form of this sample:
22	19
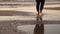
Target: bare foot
40	14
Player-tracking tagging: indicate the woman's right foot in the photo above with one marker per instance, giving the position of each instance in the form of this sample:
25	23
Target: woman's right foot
38	13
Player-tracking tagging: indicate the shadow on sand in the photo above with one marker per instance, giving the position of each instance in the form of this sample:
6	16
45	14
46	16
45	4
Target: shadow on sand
39	28
10	26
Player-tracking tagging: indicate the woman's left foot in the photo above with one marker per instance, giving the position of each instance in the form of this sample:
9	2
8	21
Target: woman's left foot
40	14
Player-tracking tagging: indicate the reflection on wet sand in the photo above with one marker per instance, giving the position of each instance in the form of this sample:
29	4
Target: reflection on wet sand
39	28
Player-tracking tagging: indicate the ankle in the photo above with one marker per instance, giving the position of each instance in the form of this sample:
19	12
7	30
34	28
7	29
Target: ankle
40	11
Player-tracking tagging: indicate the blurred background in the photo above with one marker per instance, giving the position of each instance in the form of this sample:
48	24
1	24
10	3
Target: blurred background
15	3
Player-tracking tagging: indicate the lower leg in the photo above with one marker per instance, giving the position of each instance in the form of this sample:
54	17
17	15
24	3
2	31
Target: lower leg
42	5
37	7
